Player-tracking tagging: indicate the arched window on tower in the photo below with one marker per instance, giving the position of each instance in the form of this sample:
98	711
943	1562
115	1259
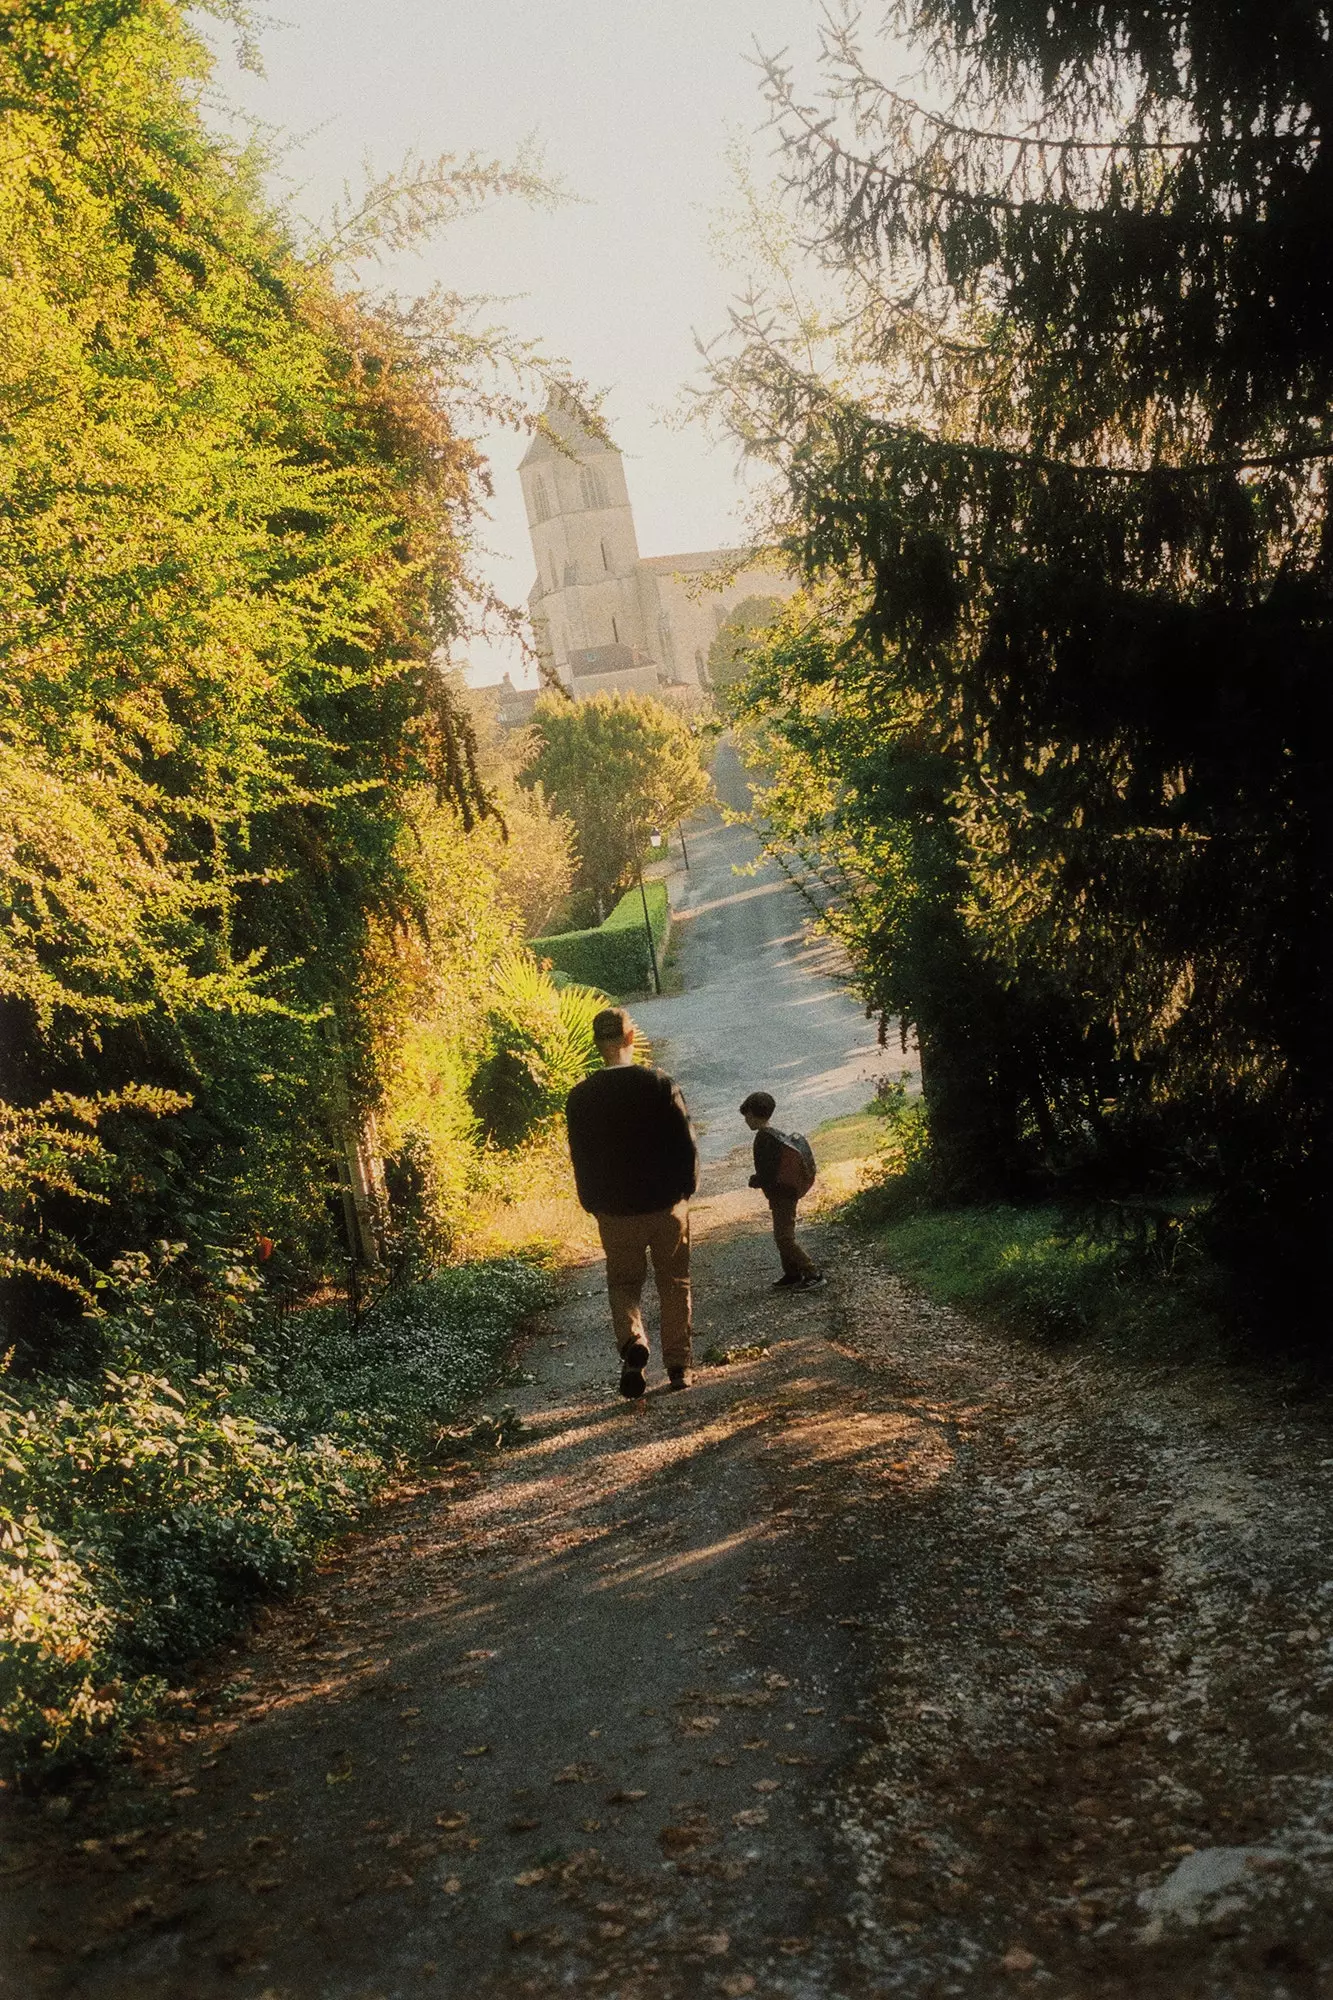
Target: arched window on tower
541	506
594	492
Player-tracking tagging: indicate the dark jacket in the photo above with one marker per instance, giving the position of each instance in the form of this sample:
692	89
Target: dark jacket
630	1141
767	1159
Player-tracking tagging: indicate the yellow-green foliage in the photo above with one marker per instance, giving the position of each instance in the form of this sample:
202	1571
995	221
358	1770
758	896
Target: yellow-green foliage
237	518
619	765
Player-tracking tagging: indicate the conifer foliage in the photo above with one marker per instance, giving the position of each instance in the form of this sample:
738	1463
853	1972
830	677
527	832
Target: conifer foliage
1057	424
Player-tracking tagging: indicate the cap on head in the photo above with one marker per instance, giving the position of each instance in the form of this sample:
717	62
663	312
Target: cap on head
612	1024
759	1105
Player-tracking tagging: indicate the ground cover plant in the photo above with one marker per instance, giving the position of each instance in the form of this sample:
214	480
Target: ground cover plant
144	1512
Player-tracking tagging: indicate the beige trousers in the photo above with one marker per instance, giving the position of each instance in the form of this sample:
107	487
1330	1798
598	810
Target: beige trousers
795	1263
628	1241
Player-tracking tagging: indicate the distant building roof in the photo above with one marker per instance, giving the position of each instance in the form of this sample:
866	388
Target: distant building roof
591	660
513	706
699	560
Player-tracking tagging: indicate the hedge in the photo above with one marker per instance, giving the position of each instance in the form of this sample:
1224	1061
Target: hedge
613	957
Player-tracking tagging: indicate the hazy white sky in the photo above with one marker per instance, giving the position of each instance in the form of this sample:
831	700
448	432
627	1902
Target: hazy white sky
635	102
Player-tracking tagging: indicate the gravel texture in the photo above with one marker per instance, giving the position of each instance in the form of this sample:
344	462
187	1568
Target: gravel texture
897	1656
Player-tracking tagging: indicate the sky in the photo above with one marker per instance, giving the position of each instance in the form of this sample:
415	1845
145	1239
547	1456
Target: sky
635	103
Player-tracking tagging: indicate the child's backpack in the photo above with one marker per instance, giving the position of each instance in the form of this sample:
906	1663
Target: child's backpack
796	1163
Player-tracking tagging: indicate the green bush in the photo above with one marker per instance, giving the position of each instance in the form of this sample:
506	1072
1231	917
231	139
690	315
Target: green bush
539	1046
139	1520
613	957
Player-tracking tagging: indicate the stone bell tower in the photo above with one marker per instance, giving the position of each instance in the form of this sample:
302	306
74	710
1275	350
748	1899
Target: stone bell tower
587	605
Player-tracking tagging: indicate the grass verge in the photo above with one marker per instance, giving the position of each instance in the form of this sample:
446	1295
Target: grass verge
1050	1275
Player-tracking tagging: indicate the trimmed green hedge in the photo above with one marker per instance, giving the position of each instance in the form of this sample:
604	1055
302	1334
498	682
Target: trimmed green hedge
613	957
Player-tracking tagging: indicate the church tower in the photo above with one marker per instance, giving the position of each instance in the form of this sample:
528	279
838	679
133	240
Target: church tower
587	605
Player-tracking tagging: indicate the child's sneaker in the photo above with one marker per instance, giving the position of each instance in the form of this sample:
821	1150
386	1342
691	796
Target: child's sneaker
815	1278
783	1284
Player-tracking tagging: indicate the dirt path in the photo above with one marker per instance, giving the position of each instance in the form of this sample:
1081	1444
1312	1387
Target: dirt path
900	1659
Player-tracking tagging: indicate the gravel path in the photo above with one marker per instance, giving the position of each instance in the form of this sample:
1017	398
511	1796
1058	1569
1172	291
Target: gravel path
897	1657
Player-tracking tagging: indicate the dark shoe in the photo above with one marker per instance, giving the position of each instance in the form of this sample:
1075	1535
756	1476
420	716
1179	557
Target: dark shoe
633	1361
815	1278
785	1284
678	1378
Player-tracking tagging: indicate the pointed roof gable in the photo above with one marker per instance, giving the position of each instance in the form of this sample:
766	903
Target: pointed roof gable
559	417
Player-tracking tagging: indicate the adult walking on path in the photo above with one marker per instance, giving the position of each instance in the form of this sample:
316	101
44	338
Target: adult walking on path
635	1167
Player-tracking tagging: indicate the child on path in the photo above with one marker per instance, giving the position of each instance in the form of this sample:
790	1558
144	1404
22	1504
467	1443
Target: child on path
783	1171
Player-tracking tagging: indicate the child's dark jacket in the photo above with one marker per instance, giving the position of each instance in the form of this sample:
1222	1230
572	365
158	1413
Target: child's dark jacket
767	1160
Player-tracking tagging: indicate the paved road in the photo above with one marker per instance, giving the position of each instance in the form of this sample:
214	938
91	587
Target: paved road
765	1005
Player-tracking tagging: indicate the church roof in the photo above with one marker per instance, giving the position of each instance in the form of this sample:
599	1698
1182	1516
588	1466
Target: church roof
559	418
699	560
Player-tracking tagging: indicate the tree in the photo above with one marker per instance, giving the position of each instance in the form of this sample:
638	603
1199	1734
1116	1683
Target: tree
731	650
1057	412
239	495
619	765
532	850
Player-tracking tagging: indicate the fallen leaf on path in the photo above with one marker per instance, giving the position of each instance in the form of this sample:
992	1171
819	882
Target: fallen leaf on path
265	1885
401	1880
739	1983
722	1760
451	1886
611	1930
514	1826
406	1714
529	1878
1016	1959
766	1785
574	1774
680	1839
787	1759
478	1750
752	1816
701	1723
715	1943
452	1821
776	1681
793	1946
480	1653
590	1826
624	1798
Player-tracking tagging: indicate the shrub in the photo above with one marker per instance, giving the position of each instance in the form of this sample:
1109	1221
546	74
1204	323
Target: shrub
541	1045
615	956
140	1520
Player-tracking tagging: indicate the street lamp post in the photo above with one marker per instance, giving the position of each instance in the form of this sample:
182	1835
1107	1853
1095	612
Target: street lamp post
654	841
683	848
